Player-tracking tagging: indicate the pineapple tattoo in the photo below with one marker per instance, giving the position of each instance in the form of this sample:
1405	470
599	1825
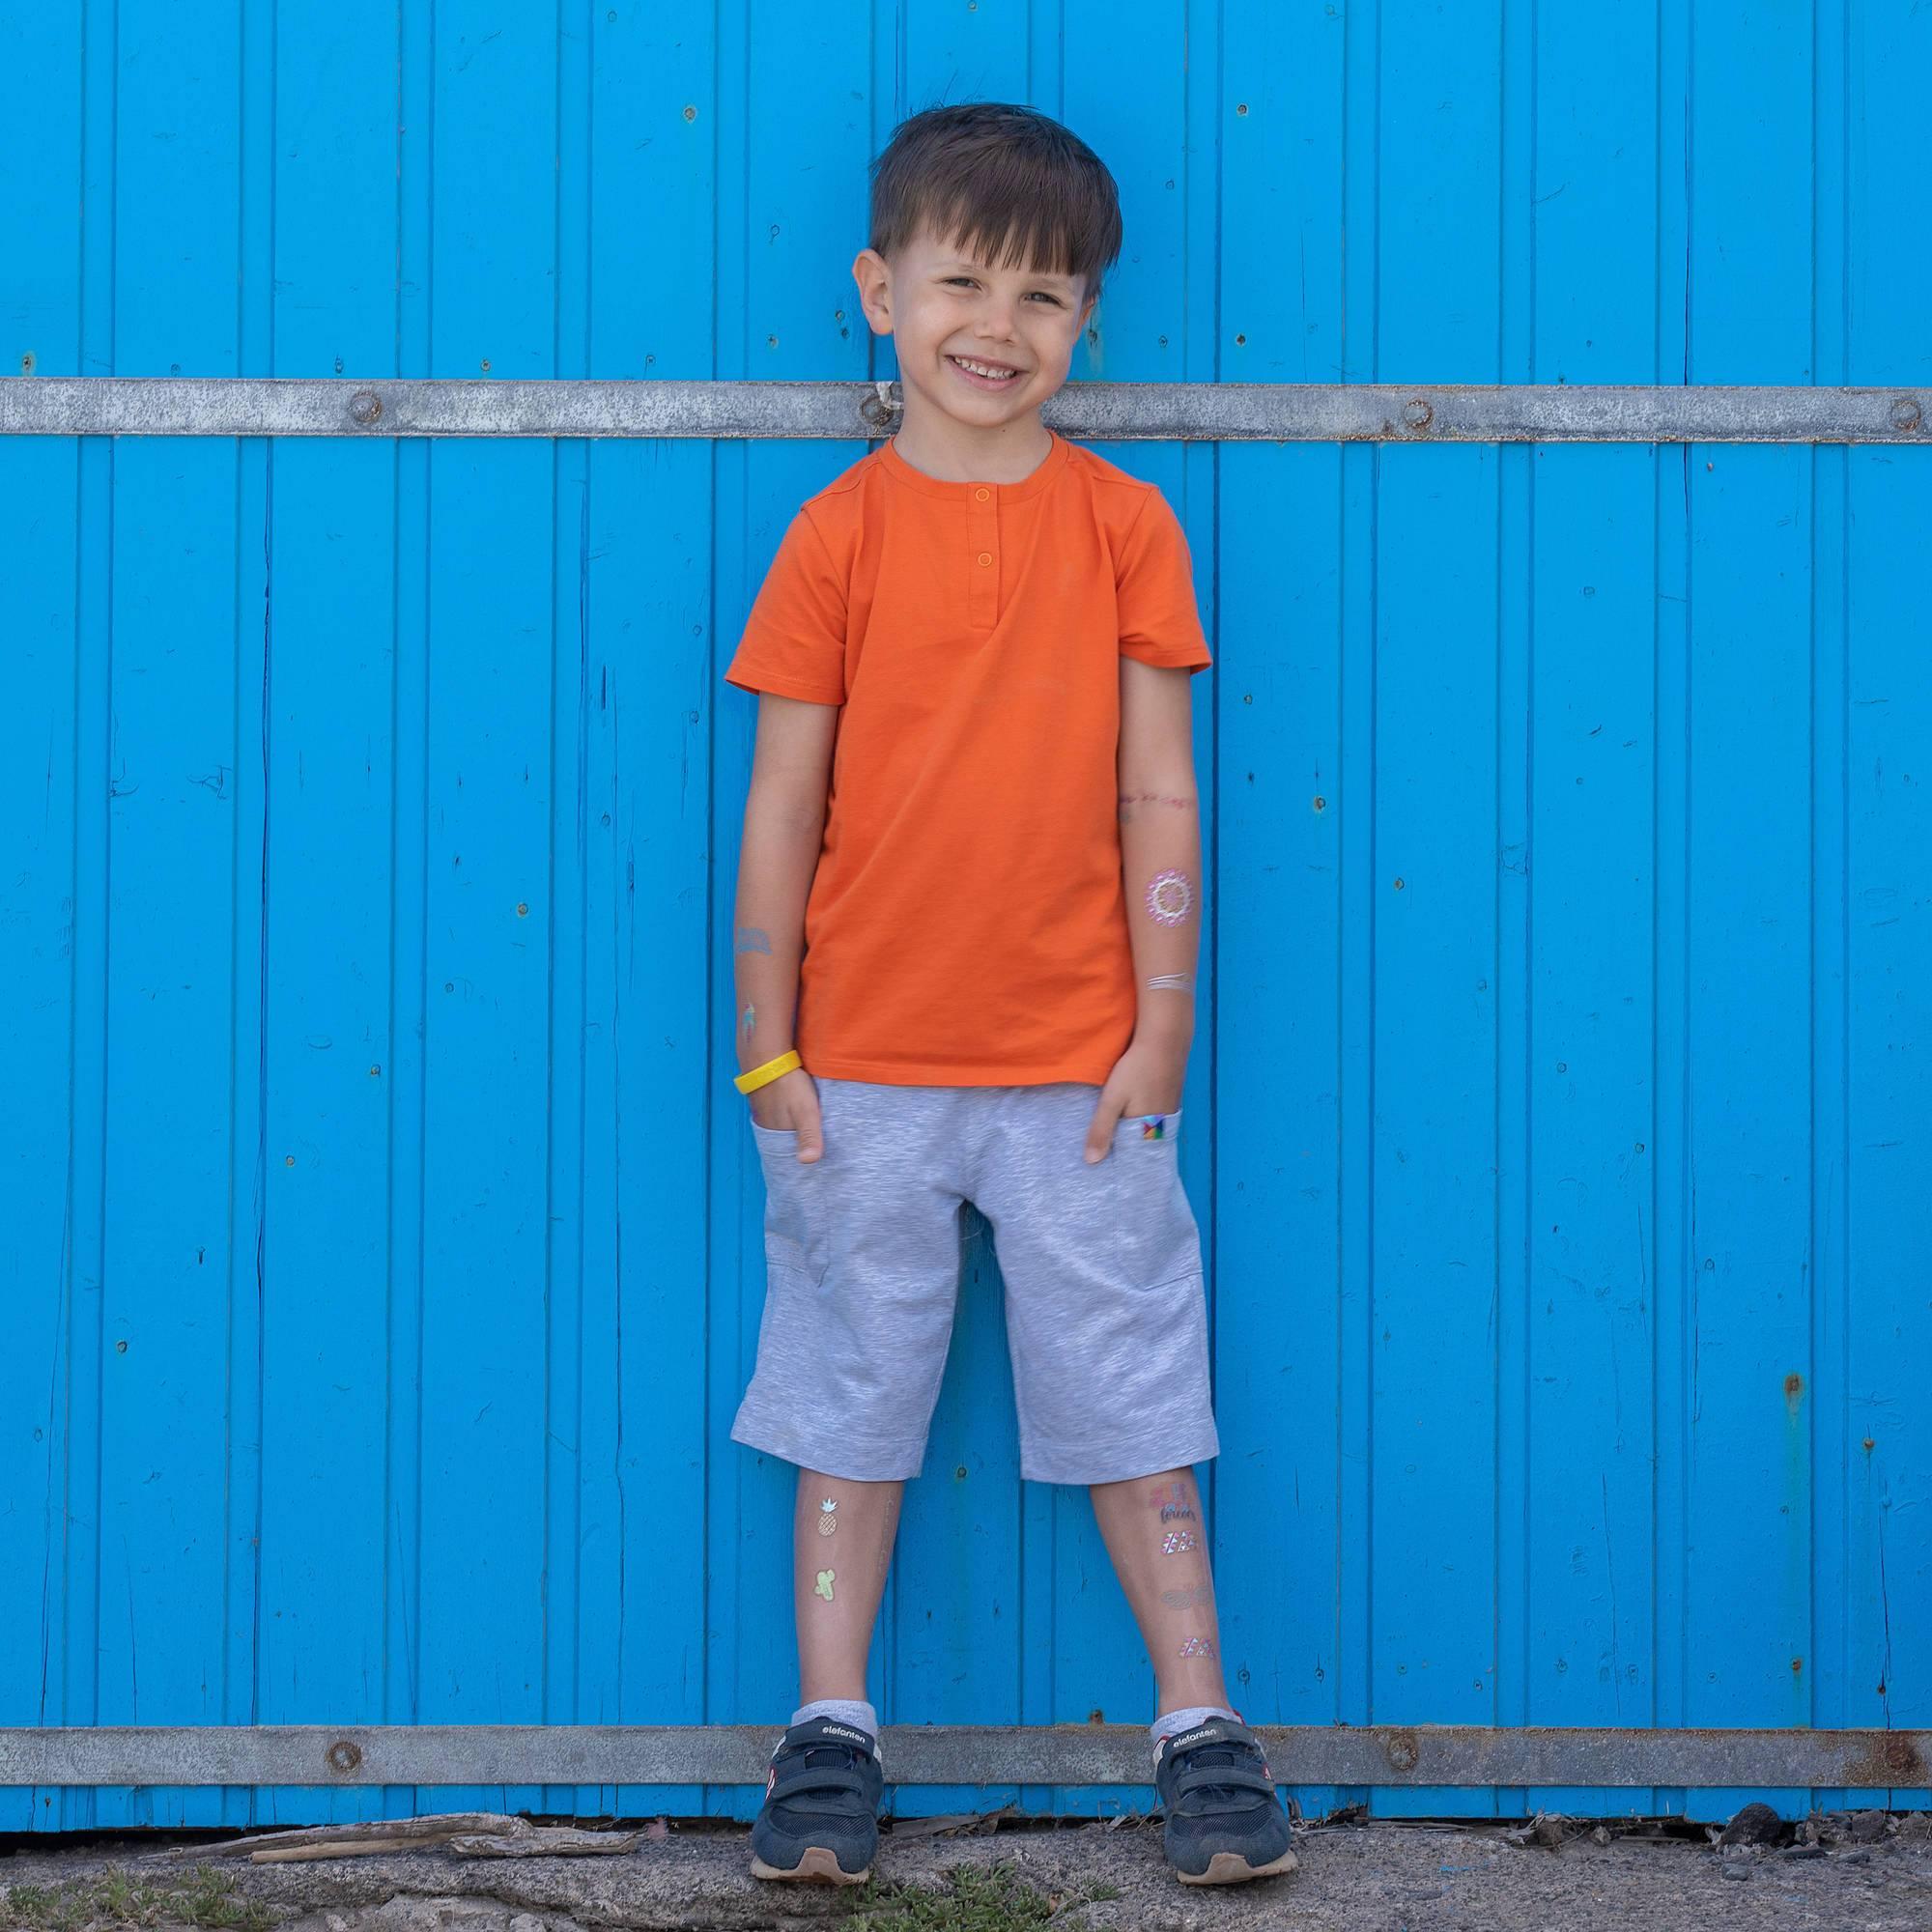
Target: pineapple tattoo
828	1515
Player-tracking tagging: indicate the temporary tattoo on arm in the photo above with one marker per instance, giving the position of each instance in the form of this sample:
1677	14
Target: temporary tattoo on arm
753	939
1170	897
828	1515
1171	983
750	1019
823	1587
1130	799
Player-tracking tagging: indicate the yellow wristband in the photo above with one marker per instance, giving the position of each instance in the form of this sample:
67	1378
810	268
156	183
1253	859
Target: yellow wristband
760	1076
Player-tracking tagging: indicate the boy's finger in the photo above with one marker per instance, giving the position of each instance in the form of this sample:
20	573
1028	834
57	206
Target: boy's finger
1099	1136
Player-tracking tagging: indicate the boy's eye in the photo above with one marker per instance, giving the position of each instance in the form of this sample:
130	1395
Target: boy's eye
1042	293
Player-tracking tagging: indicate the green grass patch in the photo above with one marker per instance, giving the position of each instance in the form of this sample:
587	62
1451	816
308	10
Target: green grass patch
114	1898
976	1899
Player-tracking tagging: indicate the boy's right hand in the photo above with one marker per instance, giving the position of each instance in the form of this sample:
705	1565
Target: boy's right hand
791	1101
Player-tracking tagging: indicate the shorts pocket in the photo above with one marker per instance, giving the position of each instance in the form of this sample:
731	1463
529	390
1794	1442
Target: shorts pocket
794	1192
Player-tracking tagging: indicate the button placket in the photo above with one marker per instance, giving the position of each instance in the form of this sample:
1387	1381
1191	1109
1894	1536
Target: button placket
982	558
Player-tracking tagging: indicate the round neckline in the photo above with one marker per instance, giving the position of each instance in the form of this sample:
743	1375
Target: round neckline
1030	485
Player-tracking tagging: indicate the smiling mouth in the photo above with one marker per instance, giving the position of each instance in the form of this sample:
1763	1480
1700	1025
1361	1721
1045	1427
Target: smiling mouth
993	374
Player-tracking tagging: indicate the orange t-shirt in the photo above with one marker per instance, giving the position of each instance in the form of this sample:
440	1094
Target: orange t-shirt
967	924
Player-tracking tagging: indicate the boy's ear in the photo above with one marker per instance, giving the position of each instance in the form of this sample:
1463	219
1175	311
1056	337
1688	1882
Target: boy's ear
875	289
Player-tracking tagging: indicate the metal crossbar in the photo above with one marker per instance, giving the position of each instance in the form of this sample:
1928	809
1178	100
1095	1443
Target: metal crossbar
1063	1754
1103	412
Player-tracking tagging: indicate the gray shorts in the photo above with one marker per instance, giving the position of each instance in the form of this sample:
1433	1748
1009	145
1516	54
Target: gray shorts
1106	1318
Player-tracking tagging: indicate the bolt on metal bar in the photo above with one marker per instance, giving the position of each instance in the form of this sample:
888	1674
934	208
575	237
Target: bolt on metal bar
1103	412
1106	1754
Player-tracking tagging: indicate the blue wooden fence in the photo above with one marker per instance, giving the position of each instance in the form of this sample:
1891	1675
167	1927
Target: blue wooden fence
380	1266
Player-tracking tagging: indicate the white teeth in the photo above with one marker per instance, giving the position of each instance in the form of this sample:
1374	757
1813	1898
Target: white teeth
983	368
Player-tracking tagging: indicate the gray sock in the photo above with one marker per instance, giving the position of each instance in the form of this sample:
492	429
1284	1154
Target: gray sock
851	1711
1174	1722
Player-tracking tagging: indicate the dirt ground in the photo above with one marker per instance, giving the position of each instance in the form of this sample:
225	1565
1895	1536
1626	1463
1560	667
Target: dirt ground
1871	1873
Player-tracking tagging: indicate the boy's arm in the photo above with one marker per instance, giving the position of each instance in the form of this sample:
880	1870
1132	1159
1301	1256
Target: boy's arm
1160	861
784	823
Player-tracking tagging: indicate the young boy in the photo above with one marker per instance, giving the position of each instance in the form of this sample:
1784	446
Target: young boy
972	811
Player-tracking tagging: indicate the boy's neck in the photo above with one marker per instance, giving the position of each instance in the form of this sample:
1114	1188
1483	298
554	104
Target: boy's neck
950	452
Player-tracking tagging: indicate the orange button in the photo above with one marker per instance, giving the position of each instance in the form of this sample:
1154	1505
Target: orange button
983	494
985	556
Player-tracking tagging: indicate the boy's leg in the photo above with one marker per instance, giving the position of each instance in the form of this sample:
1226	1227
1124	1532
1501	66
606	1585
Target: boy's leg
839	1578
1158	1542
1224	1818
820	1815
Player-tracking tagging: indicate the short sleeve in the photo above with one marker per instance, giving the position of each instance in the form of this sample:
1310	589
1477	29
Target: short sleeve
1159	620
794	639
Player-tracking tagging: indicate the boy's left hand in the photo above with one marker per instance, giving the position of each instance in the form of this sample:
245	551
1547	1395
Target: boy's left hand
1146	1079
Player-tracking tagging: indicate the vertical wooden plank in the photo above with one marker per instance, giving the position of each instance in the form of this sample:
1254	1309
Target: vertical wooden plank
635	677
736	1274
1356	350
175	891
1435	900
248	960
1581	878
1516	807
329	1050
1888	1316
1670	1352
1824	1664
794	117
1280	809
566	1480
407	1079
1747	830
486	1149
74	1651
41	81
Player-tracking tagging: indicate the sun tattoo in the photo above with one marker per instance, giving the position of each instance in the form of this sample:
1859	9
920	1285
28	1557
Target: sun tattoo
1170	897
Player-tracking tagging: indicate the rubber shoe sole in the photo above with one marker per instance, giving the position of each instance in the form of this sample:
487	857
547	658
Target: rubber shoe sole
815	1865
1231	1868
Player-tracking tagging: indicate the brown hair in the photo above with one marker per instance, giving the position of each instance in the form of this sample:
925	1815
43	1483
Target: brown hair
998	178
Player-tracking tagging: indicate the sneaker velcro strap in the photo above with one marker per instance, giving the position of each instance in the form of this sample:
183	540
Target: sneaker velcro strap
1239	1777
834	1781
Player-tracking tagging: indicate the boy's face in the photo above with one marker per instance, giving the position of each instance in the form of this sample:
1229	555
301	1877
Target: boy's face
942	308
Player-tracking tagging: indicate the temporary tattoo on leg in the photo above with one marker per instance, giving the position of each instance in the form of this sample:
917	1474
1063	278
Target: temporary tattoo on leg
1176	1540
1189	1600
1170	897
1197	1646
828	1515
752	939
823	1587
1171	983
1170	1496
750	1019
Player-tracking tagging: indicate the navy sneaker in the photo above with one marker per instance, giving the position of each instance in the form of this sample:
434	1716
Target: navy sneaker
820	1818
1224	1819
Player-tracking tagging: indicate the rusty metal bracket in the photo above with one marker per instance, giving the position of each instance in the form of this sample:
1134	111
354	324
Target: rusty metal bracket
1065	1754
1102	411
